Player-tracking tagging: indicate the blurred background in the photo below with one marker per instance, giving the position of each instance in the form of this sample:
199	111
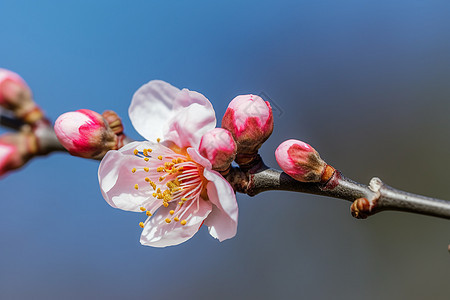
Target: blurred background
365	82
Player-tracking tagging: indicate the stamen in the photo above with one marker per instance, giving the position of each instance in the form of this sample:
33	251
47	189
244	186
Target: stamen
168	220
148	213
133	170
176	219
141	224
146	169
146	159
183	222
135	151
158	140
171	212
160	157
142	208
136	186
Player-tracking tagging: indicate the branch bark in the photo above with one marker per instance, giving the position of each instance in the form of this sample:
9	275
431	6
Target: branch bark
367	199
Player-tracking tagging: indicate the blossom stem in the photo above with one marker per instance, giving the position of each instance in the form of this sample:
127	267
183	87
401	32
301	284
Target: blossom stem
367	199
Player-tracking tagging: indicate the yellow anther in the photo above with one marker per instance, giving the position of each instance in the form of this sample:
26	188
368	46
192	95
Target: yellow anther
145	152
135	151
142	208
171	212
159	169
136	186
146	169
174	161
149	150
154	194
158	190
160	157
160	196
147	179
165	204
141	224
153	185
180	203
148	213
161	179
158	140
183	222
168	220
133	170
179	160
184	199
176	219
146	159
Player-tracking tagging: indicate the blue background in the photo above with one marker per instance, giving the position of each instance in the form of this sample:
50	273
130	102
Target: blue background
365	82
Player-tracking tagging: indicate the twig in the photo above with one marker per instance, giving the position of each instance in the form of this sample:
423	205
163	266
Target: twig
367	200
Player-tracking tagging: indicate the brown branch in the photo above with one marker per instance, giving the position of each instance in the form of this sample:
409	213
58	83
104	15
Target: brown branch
367	200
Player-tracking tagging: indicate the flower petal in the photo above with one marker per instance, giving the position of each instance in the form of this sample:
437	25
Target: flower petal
151	107
157	233
198	158
187	127
222	221
117	182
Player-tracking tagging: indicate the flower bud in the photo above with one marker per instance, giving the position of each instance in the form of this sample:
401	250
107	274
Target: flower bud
250	120
219	147
15	95
300	161
85	133
16	149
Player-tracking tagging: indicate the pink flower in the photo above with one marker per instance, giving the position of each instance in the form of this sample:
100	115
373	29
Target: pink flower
85	133
219	147
250	119
168	179
300	161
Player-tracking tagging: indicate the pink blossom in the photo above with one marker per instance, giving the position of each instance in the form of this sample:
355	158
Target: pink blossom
85	133
300	161
219	147
250	119
166	177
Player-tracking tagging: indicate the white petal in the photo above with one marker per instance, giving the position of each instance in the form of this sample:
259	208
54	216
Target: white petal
152	106
222	221
187	127
157	233
117	181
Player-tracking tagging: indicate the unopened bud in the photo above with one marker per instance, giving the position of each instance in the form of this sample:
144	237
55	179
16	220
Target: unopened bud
219	147
16	149
250	120
300	161
85	133
15	95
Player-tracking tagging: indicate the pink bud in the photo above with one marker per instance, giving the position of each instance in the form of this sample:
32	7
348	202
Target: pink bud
15	95
85	133
300	161
16	149
6	156
11	85
249	118
219	147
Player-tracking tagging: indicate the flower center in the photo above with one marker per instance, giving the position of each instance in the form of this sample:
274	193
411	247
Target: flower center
169	177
